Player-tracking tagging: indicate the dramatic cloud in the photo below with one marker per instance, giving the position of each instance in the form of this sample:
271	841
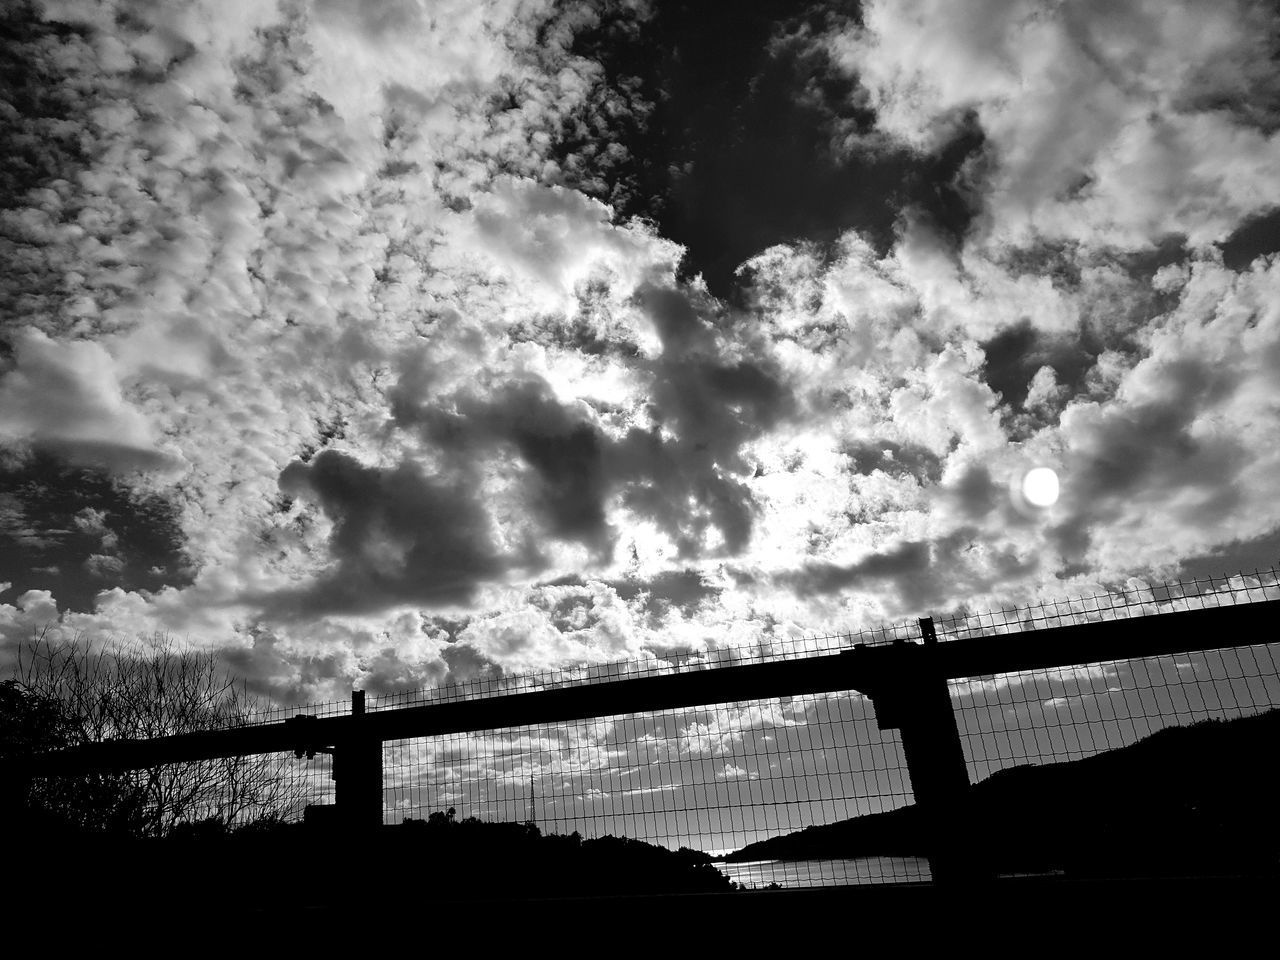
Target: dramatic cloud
670	453
1105	125
398	536
388	343
1185	456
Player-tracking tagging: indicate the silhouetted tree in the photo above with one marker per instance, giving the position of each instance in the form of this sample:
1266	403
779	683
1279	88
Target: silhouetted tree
28	724
66	694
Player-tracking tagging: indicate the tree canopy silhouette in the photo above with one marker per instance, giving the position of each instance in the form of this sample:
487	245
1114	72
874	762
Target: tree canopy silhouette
67	694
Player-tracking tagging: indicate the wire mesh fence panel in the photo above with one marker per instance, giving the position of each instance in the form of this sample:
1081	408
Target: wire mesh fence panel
496	684
715	779
1136	599
1154	766
1067	713
277	713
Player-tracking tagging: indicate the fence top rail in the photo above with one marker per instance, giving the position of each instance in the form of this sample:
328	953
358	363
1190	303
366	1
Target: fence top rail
864	668
1134	599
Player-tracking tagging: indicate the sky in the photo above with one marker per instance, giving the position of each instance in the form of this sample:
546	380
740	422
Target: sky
382	343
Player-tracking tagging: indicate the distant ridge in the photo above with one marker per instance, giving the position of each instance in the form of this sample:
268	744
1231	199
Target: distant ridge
1185	800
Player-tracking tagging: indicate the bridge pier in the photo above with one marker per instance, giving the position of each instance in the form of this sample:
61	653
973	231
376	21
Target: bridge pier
911	696
357	774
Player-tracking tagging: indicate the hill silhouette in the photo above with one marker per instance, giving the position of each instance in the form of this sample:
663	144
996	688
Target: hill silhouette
1186	800
491	859
441	859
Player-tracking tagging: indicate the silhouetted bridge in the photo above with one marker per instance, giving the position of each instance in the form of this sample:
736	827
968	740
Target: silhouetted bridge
910	681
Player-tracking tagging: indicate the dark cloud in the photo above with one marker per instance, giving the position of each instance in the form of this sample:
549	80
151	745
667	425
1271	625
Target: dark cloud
741	135
918	577
41	100
708	406
976	493
399	537
1071	539
712	409
445	626
1255	238
59	523
909	559
1149	447
386	670
711	406
940	190
1243	556
1144	263
683	589
467	664
682	472
708	401
1060	261
273	670
677	486
894	459
561	445
1116	299
1014	355
1239	556
1150	456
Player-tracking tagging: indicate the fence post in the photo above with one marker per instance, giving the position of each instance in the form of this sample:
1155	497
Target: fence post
357	774
911	695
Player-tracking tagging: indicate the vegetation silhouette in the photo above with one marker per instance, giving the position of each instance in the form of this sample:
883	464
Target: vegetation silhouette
469	854
1195	800
69	694
199	832
273	864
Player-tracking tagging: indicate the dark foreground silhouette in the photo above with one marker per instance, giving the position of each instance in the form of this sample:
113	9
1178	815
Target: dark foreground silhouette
1188	801
312	865
1184	801
471	857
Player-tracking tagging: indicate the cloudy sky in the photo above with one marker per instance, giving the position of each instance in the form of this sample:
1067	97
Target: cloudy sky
381	341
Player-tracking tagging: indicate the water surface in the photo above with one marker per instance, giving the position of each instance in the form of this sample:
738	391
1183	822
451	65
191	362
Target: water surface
827	873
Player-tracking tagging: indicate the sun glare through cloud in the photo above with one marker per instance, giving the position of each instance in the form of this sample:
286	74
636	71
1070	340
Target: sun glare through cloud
1040	487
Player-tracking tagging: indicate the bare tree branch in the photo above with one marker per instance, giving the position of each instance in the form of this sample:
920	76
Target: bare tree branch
151	688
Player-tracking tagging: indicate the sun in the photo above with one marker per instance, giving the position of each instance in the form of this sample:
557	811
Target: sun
1040	487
